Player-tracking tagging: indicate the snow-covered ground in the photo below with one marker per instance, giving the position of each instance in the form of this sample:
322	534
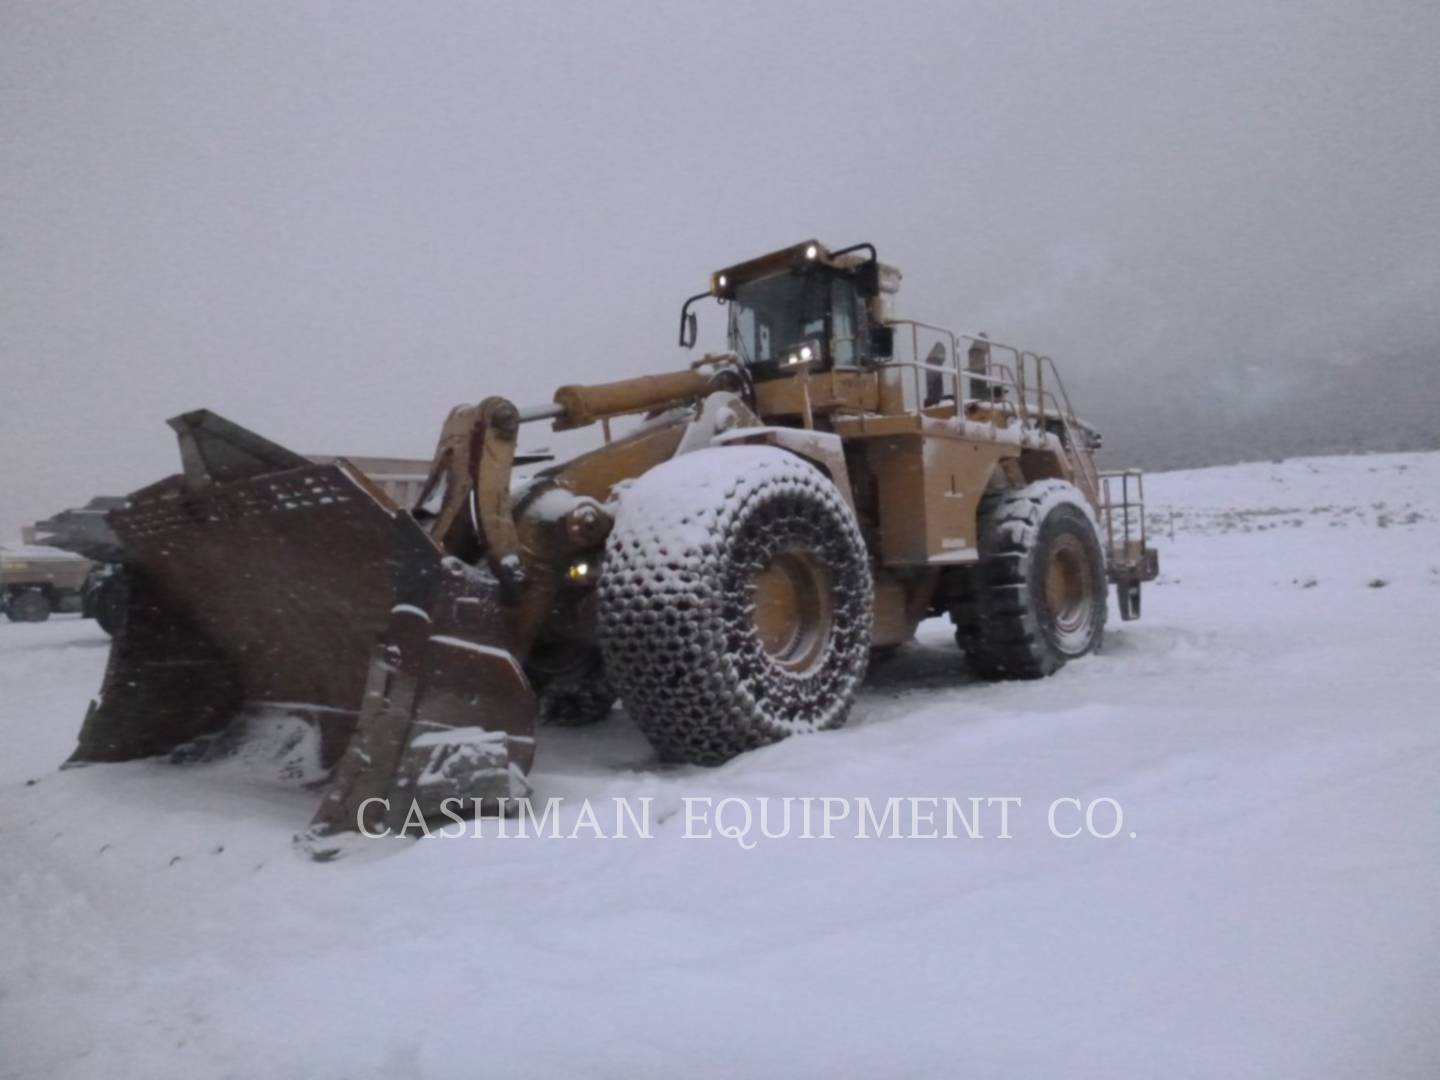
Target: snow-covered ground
1270	907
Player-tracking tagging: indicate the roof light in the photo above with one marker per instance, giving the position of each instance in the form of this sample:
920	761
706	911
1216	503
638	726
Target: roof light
811	251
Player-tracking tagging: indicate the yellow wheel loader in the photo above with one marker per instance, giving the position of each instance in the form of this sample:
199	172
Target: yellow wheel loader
723	563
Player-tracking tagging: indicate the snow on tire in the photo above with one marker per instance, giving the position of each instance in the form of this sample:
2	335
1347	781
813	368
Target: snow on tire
734	602
1039	594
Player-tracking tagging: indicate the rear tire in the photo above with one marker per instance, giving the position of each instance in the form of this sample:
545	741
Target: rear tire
734	603
1038	596
29	605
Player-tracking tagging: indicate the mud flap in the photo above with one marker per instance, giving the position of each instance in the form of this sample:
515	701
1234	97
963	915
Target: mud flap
1127	592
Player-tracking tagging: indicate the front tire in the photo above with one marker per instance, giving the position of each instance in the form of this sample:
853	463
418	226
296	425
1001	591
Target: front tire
29	605
734	603
1038	596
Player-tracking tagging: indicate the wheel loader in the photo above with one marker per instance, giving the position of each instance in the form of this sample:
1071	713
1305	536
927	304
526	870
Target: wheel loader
748	530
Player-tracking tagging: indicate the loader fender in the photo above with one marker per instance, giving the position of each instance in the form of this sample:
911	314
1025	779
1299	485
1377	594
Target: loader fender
823	449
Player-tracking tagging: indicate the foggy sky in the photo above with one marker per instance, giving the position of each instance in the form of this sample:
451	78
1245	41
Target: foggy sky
333	222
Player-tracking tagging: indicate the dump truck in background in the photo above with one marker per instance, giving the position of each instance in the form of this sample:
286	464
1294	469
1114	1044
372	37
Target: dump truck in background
724	567
84	534
37	581
83	530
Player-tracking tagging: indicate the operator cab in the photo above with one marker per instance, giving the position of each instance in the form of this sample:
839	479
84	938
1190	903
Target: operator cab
803	306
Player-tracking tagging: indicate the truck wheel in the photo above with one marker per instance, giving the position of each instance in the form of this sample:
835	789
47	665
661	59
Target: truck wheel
30	605
1038	596
734	602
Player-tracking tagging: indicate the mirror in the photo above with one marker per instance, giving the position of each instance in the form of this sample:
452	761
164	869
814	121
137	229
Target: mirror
688	322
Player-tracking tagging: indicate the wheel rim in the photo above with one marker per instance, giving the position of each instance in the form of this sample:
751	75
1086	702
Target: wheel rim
794	609
1069	592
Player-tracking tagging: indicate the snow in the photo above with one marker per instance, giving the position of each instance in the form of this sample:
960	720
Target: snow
36	553
672	490
1269	730
472	646
476	736
550	505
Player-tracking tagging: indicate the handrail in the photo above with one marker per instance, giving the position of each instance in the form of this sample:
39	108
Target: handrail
1027	386
1034	402
1086	463
1129	510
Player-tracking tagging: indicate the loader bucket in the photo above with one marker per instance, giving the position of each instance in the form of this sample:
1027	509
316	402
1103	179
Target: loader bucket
258	582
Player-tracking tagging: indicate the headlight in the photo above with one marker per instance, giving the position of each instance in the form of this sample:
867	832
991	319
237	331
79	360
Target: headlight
804	352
